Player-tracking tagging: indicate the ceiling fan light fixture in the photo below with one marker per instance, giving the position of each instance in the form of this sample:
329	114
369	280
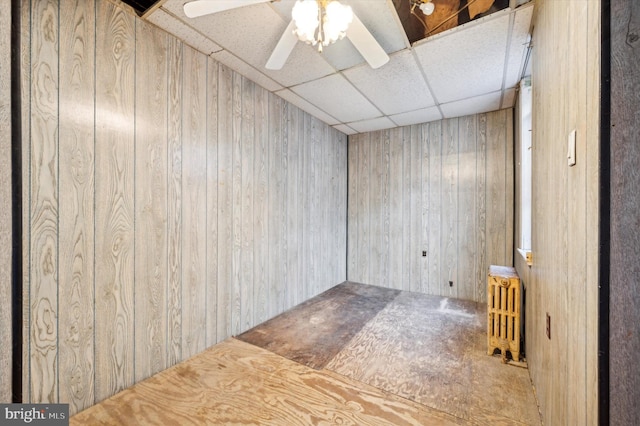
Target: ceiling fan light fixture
306	14
321	22
427	8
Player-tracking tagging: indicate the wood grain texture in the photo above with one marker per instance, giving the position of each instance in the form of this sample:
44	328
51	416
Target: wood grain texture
174	200
225	186
625	157
151	251
6	235
432	191
261	206
25	80
76	231
194	203
114	221
44	205
167	197
563	278
212	186
238	383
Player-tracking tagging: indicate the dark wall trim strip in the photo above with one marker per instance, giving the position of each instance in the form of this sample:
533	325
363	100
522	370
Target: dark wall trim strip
605	214
16	205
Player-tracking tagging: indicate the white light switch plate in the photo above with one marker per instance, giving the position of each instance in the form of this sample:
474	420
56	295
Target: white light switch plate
571	149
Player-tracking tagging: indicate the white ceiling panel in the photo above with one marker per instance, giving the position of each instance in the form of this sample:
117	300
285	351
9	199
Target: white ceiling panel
345	129
251	33
518	45
245	69
372	125
478	104
394	88
468	69
416	117
184	32
469	61
304	105
334	93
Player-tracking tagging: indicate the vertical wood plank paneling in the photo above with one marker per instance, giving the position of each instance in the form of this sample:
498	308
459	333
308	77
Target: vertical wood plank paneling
435	207
315	216
592	134
247	241
293	207
415	245
385	207
114	182
76	238
353	212
305	159
564	274
6	183
467	212
276	301
174	200
287	296
44	256
395	208
495	187
407	226
509	187
363	207
261	206
225	194
481	209
150	201
425	135
236	204
194	202
376	176
435	202
212	264
450	175
191	204
576	226
26	81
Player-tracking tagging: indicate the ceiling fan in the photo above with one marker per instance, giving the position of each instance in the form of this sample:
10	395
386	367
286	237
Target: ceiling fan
316	22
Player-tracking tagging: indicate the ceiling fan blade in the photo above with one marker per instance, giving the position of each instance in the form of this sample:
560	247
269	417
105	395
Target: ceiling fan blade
368	47
283	49
205	7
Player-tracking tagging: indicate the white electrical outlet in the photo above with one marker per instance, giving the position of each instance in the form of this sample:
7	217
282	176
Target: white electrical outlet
571	149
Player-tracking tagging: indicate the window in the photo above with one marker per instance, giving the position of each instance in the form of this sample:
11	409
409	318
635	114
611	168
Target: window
524	163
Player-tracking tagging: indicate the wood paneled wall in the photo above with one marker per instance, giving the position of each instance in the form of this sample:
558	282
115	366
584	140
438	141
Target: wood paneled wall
563	280
6	233
171	202
444	187
624	336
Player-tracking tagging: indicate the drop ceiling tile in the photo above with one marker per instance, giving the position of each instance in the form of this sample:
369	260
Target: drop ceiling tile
335	95
466	61
475	105
518	45
173	25
509	98
245	69
251	33
301	103
345	129
372	125
395	87
417	117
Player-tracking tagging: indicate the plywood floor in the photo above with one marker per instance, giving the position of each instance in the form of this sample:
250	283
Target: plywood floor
402	358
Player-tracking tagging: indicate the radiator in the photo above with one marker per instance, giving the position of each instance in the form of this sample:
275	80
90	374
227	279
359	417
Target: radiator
503	312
